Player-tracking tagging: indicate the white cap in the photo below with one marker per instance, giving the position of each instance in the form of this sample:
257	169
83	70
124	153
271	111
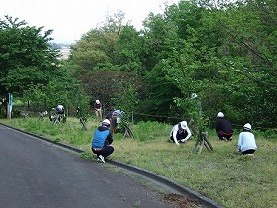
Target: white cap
247	126
220	115
106	122
194	95
97	102
184	125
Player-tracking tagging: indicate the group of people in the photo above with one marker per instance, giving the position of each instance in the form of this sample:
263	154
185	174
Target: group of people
180	133
103	135
246	141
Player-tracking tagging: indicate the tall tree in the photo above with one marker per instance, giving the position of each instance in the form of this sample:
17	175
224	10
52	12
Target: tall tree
96	49
26	57
129	49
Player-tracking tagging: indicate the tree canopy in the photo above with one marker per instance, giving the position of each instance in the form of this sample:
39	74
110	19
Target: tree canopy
30	68
25	56
224	52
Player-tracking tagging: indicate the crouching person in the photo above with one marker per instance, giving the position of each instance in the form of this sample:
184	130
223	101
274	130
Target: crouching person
102	140
246	142
180	133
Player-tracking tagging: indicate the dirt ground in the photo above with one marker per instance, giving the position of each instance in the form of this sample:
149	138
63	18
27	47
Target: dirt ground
180	201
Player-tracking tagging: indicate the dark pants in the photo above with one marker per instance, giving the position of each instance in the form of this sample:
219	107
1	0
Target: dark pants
114	124
180	135
250	151
222	135
105	151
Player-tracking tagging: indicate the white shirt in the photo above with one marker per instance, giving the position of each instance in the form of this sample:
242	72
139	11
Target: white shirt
246	141
174	132
60	107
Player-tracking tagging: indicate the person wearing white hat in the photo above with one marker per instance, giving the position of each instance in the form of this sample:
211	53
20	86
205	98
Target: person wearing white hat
246	142
180	133
223	128
98	110
102	140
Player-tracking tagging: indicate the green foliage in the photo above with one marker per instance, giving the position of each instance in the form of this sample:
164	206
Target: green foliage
26	58
111	87
160	104
215	55
129	49
270	134
97	47
63	89
224	52
147	131
126	97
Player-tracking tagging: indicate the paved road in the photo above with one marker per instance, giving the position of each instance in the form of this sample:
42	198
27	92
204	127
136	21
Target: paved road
34	173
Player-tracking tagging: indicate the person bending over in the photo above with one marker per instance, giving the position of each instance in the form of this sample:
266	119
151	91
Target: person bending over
180	133
223	128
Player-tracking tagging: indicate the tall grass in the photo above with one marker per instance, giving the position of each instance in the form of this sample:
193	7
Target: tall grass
222	175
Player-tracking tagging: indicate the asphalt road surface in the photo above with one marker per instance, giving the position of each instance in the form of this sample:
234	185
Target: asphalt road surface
34	173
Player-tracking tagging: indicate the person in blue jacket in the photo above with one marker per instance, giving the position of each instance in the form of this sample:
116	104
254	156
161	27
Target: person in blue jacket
102	140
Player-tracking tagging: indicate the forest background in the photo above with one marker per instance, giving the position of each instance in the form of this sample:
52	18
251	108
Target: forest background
224	52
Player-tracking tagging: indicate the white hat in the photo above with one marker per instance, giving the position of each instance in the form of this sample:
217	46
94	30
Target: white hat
247	126
106	122
220	115
183	125
97	102
194	95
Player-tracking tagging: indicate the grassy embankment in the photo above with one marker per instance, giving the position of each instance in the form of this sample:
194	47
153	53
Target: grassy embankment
222	175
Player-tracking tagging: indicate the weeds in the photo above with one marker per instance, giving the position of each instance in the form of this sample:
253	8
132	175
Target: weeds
222	175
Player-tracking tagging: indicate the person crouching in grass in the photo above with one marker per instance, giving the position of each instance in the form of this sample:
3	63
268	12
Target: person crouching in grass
246	142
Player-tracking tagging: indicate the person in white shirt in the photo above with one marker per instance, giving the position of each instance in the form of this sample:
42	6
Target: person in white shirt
246	142
180	133
60	109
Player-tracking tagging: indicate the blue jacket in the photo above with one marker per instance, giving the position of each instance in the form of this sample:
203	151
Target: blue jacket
102	137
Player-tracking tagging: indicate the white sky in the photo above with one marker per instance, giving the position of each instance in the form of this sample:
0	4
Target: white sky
72	18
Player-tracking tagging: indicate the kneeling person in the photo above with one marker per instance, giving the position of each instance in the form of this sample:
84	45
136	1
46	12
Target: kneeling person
102	140
180	133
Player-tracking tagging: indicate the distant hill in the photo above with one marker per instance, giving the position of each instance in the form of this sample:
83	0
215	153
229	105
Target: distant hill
59	45
63	48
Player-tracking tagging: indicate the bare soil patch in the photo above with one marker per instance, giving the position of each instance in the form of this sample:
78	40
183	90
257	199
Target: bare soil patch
180	201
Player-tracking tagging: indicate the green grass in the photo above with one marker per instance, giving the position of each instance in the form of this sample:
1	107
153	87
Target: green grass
222	175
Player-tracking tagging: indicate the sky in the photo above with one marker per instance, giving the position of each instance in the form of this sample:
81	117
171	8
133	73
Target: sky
70	19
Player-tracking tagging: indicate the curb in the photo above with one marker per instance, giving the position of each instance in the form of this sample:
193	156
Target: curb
178	187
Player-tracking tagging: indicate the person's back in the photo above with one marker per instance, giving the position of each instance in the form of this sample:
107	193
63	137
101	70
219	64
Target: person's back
223	127
100	136
102	140
246	142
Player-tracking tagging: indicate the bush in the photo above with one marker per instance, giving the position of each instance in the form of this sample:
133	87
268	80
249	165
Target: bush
150	130
270	134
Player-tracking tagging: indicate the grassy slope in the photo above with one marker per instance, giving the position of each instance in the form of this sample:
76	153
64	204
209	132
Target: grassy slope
222	175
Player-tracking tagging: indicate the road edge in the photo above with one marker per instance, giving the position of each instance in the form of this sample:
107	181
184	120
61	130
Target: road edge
207	202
